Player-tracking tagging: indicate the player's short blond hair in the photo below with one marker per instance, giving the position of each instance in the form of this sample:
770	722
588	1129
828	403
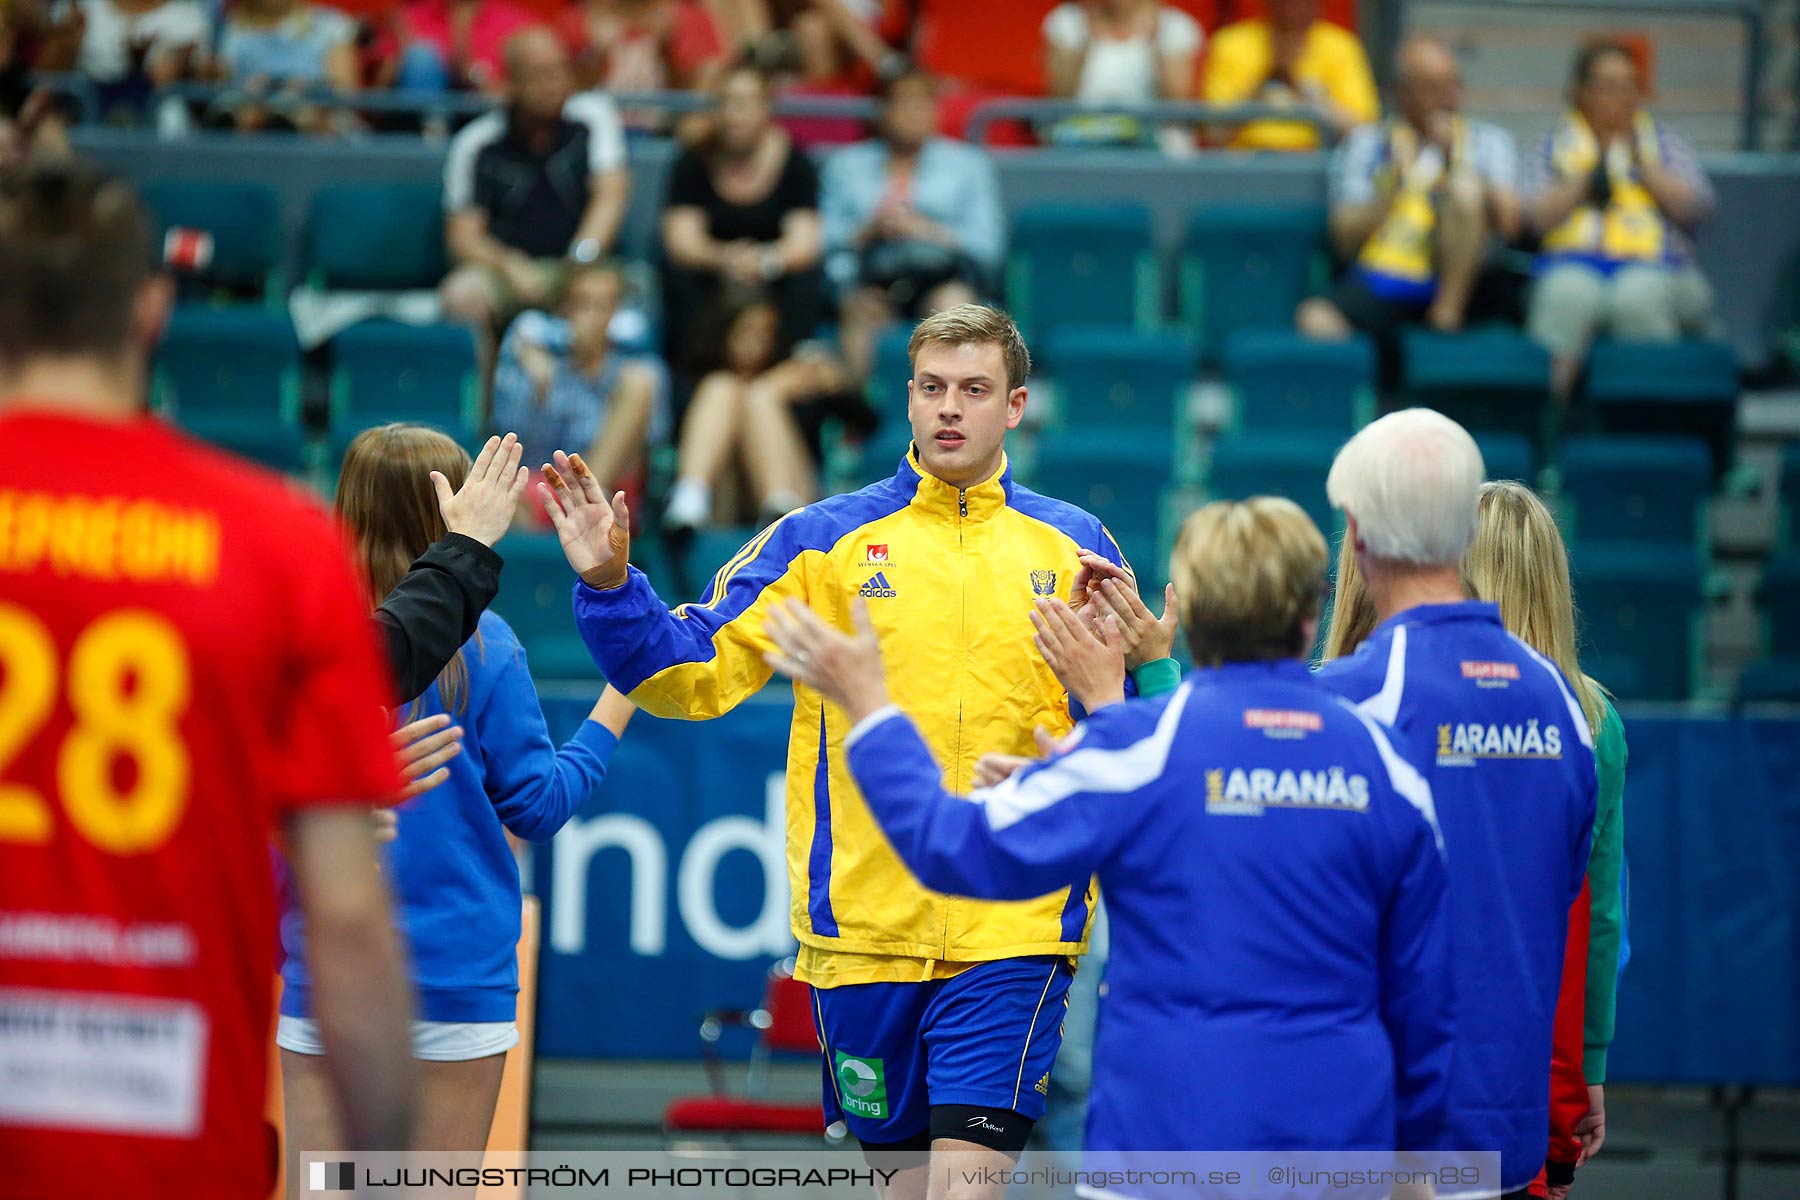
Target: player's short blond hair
974	325
1249	575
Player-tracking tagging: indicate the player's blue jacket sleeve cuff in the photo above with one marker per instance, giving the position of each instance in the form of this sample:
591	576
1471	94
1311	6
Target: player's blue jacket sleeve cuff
886	712
616	623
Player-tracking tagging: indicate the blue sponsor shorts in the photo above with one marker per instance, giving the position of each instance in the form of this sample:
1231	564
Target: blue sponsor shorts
984	1038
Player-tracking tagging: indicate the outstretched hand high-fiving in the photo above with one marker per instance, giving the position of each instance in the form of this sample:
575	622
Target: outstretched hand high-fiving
483	507
595	536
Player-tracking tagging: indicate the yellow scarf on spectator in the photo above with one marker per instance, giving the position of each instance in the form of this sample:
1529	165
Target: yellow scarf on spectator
1630	228
1403	247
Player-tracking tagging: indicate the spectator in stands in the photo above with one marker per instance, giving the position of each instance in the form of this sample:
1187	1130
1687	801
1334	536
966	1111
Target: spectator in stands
30	123
459	43
530	189
1120	52
275	50
757	411
562	382
838	43
743	212
1614	195
1415	202
913	222
1291	58
646	45
129	47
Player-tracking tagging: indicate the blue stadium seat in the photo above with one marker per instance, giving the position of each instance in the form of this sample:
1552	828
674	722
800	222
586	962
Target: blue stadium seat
1788	518
535	600
232	377
885	390
1770	681
1778	594
1637	489
891	370
1688	388
229	364
705	555
1277	464
1507	456
244	221
375	236
1083	264
1490	379
1640	610
1248	266
1286	382
385	371
1118	378
1118	475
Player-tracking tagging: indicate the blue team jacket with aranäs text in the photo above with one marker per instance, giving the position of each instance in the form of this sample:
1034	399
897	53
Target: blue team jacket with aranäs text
1271	868
1500	736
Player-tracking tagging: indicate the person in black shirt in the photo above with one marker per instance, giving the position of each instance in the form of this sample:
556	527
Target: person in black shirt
743	209
530	188
743	292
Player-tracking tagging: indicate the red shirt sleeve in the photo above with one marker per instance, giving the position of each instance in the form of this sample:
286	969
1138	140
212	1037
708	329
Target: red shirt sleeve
696	39
330	742
1568	1086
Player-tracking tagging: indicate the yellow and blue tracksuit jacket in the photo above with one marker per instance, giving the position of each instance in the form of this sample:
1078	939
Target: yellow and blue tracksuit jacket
950	576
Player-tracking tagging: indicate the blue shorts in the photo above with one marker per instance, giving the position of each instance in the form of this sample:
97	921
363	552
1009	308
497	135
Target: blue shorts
984	1038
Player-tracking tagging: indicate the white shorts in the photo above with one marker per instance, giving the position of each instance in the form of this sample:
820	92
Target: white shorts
433	1041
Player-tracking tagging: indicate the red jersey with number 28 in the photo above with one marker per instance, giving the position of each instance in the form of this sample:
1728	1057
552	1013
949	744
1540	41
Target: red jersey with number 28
184	659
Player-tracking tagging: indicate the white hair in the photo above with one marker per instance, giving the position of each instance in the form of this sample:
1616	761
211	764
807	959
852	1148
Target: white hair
1412	480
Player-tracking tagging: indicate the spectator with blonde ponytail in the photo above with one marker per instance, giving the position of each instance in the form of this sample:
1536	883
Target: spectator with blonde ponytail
1518	562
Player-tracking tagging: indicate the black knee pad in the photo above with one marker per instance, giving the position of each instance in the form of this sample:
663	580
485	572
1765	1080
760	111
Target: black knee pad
996	1128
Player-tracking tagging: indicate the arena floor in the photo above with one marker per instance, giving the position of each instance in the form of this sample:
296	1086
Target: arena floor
1662	1143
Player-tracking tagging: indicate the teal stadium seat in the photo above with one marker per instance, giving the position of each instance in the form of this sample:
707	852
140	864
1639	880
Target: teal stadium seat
704	557
1775	678
1248	266
1118	378
384	371
232	377
1285	382
1083	264
1507	456
886	394
1277	464
1490	379
1788	516
1641	612
244	221
1779	596
377	237
1649	490
1118	475
534	598
1685	388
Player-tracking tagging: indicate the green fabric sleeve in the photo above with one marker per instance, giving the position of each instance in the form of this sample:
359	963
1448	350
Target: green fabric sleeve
1605	862
1157	677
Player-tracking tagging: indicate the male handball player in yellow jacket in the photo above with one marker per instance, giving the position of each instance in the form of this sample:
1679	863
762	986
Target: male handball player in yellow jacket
939	1017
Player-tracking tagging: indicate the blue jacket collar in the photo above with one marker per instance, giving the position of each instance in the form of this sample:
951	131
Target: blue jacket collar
1290	669
1439	614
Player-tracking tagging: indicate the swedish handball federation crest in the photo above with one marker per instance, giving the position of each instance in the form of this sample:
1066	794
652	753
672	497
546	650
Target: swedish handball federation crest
1043	583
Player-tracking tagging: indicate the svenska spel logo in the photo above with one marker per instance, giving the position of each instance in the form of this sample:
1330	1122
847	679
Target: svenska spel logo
332	1176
